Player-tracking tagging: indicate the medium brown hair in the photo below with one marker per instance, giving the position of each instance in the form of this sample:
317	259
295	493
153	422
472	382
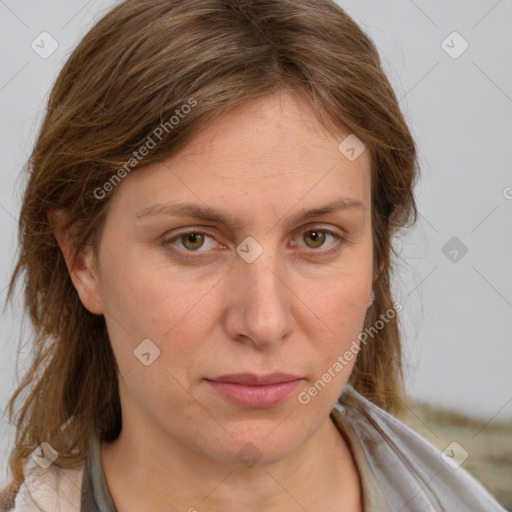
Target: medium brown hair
137	65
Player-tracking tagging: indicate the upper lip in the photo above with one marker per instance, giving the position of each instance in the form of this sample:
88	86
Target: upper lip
256	380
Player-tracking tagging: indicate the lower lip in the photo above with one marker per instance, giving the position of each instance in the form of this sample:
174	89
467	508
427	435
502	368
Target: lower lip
255	396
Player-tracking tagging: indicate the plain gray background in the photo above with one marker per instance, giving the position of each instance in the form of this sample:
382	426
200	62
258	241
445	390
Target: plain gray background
457	307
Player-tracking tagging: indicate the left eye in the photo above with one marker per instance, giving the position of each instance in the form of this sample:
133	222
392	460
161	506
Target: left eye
318	236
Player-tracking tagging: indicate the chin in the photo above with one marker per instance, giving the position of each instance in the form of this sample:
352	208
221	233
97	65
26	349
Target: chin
252	451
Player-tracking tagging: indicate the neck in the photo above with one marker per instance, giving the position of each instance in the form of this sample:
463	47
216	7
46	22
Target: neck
322	473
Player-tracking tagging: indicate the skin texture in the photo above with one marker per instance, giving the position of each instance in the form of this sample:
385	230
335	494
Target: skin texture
291	310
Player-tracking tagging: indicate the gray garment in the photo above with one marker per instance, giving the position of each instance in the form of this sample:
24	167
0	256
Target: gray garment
411	473
95	494
399	470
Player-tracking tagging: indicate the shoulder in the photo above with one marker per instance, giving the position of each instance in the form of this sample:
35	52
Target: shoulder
51	489
411	472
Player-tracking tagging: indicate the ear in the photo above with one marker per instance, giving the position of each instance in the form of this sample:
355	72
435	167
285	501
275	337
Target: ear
378	272
83	271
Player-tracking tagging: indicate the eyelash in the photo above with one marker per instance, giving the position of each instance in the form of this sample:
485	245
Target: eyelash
335	248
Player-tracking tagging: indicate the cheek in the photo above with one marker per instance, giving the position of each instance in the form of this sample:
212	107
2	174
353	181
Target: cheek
340	307
157	326
142	292
339	313
172	309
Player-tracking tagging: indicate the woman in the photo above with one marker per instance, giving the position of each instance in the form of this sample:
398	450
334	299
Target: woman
206	243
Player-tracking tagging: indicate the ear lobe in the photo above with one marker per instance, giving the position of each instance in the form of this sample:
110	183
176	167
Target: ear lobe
82	269
378	272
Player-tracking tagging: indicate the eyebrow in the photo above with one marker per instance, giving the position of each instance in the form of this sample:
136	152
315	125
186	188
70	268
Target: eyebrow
223	217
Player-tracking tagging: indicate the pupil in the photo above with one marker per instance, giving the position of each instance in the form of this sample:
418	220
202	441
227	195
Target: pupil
316	236
193	239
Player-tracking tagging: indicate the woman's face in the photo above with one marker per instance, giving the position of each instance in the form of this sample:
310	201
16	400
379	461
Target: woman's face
267	289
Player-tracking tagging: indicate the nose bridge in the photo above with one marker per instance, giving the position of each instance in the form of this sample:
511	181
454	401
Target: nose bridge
262	301
264	280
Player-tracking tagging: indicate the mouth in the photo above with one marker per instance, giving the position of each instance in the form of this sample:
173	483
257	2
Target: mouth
255	391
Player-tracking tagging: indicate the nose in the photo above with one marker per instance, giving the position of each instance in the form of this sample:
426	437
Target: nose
260	302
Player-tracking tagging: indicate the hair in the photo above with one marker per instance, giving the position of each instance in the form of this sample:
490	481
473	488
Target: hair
135	69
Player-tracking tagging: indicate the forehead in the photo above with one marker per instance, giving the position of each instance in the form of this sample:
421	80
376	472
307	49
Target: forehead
276	131
272	151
